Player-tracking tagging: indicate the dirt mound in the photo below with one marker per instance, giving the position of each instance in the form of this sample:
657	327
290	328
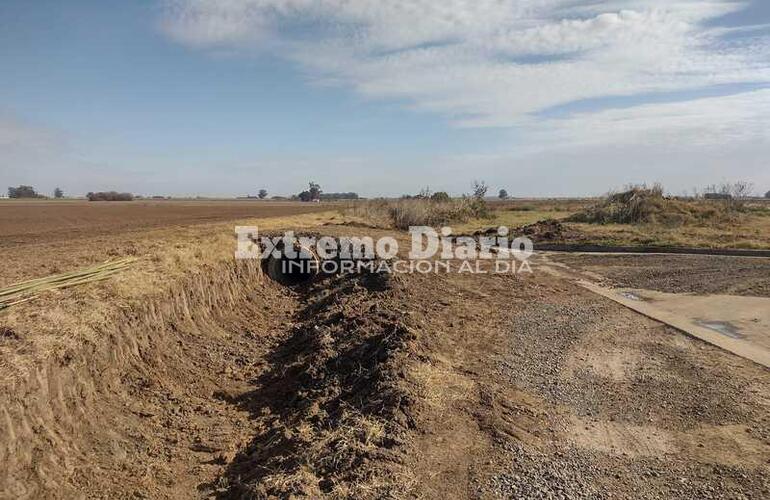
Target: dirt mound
643	205
334	406
545	230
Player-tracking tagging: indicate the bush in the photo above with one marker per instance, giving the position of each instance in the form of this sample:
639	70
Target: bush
404	213
110	196
643	205
440	197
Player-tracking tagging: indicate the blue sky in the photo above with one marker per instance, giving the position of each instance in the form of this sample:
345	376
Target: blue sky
552	97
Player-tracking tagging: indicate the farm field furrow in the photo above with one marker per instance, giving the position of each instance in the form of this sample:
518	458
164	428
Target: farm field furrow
23	222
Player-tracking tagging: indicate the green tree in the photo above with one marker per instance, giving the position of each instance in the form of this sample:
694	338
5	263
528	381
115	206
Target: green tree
22	192
440	197
503	194
58	193
315	191
262	194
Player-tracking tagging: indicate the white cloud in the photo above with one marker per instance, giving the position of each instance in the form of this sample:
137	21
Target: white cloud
485	62
704	124
503	63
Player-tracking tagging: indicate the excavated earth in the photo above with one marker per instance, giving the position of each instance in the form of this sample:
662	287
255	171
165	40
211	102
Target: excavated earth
377	386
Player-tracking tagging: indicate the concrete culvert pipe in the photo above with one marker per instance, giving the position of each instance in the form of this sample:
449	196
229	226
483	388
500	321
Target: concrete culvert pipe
295	270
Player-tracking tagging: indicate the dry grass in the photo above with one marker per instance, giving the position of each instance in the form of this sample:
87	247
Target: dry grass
750	231
698	224
645	216
62	320
402	214
30	289
643	205
510	219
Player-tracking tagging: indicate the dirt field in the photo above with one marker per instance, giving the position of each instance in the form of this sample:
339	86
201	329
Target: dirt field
53	221
192	376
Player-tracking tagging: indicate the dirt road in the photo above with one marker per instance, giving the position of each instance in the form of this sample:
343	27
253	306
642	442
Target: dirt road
701	274
549	391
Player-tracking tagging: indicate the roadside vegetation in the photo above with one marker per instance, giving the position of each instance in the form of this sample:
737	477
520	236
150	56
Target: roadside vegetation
424	209
649	205
722	216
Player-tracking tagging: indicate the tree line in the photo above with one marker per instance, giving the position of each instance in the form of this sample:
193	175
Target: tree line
23	191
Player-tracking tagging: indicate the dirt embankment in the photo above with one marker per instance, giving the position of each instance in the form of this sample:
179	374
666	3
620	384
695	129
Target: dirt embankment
136	411
228	386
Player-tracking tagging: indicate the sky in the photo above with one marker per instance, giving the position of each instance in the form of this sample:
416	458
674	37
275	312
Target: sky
383	97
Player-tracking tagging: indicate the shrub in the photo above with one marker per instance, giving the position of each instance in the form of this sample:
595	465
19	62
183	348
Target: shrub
109	196
404	213
643	205
440	197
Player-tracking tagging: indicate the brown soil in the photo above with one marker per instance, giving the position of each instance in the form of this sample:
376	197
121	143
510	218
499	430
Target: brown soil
53	221
215	382
678	273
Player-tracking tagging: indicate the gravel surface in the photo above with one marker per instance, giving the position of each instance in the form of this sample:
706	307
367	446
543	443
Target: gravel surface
700	274
666	385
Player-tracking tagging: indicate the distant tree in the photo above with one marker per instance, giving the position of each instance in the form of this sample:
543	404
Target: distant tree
23	192
480	189
440	197
737	189
767	195
503	195
111	196
340	196
262	194
742	189
315	191
58	193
